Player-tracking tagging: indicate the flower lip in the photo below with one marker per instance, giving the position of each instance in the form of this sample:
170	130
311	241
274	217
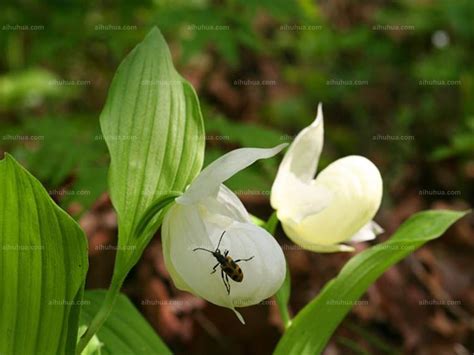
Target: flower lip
198	220
186	228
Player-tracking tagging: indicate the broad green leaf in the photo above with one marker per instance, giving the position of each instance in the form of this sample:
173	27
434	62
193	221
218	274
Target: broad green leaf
312	328
125	331
43	264
154	131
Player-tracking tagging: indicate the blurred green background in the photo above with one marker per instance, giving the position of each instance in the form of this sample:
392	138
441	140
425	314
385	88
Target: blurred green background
396	79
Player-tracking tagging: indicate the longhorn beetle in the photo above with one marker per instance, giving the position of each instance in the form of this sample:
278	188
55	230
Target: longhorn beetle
229	267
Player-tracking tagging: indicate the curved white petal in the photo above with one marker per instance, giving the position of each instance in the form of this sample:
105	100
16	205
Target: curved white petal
208	181
186	227
303	154
356	187
292	188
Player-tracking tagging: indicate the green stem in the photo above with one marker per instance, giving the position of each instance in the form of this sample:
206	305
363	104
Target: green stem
282	297
283	294
101	316
144	229
271	224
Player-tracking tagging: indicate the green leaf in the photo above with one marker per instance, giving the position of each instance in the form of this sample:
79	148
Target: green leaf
43	265
315	323
154	131
125	331
153	127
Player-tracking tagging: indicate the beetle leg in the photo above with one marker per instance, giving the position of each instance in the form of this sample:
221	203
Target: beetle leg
227	287
244	259
226	252
228	283
214	268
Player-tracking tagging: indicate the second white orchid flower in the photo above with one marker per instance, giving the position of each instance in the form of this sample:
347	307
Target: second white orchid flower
335	207
207	214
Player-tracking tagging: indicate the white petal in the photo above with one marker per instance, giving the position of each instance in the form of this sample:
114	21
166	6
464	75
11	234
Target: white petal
367	232
208	181
303	154
296	172
188	226
295	200
356	187
170	232
306	244
264	274
226	206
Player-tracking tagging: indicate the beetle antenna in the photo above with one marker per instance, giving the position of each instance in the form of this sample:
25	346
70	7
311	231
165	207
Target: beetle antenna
218	244
210	251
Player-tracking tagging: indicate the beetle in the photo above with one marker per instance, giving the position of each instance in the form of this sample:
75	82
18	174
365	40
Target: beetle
229	266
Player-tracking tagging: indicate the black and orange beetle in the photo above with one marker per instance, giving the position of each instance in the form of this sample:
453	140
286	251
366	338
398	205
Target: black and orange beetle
229	267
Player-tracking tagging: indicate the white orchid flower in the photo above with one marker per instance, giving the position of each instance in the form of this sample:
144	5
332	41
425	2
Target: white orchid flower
199	219
335	207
